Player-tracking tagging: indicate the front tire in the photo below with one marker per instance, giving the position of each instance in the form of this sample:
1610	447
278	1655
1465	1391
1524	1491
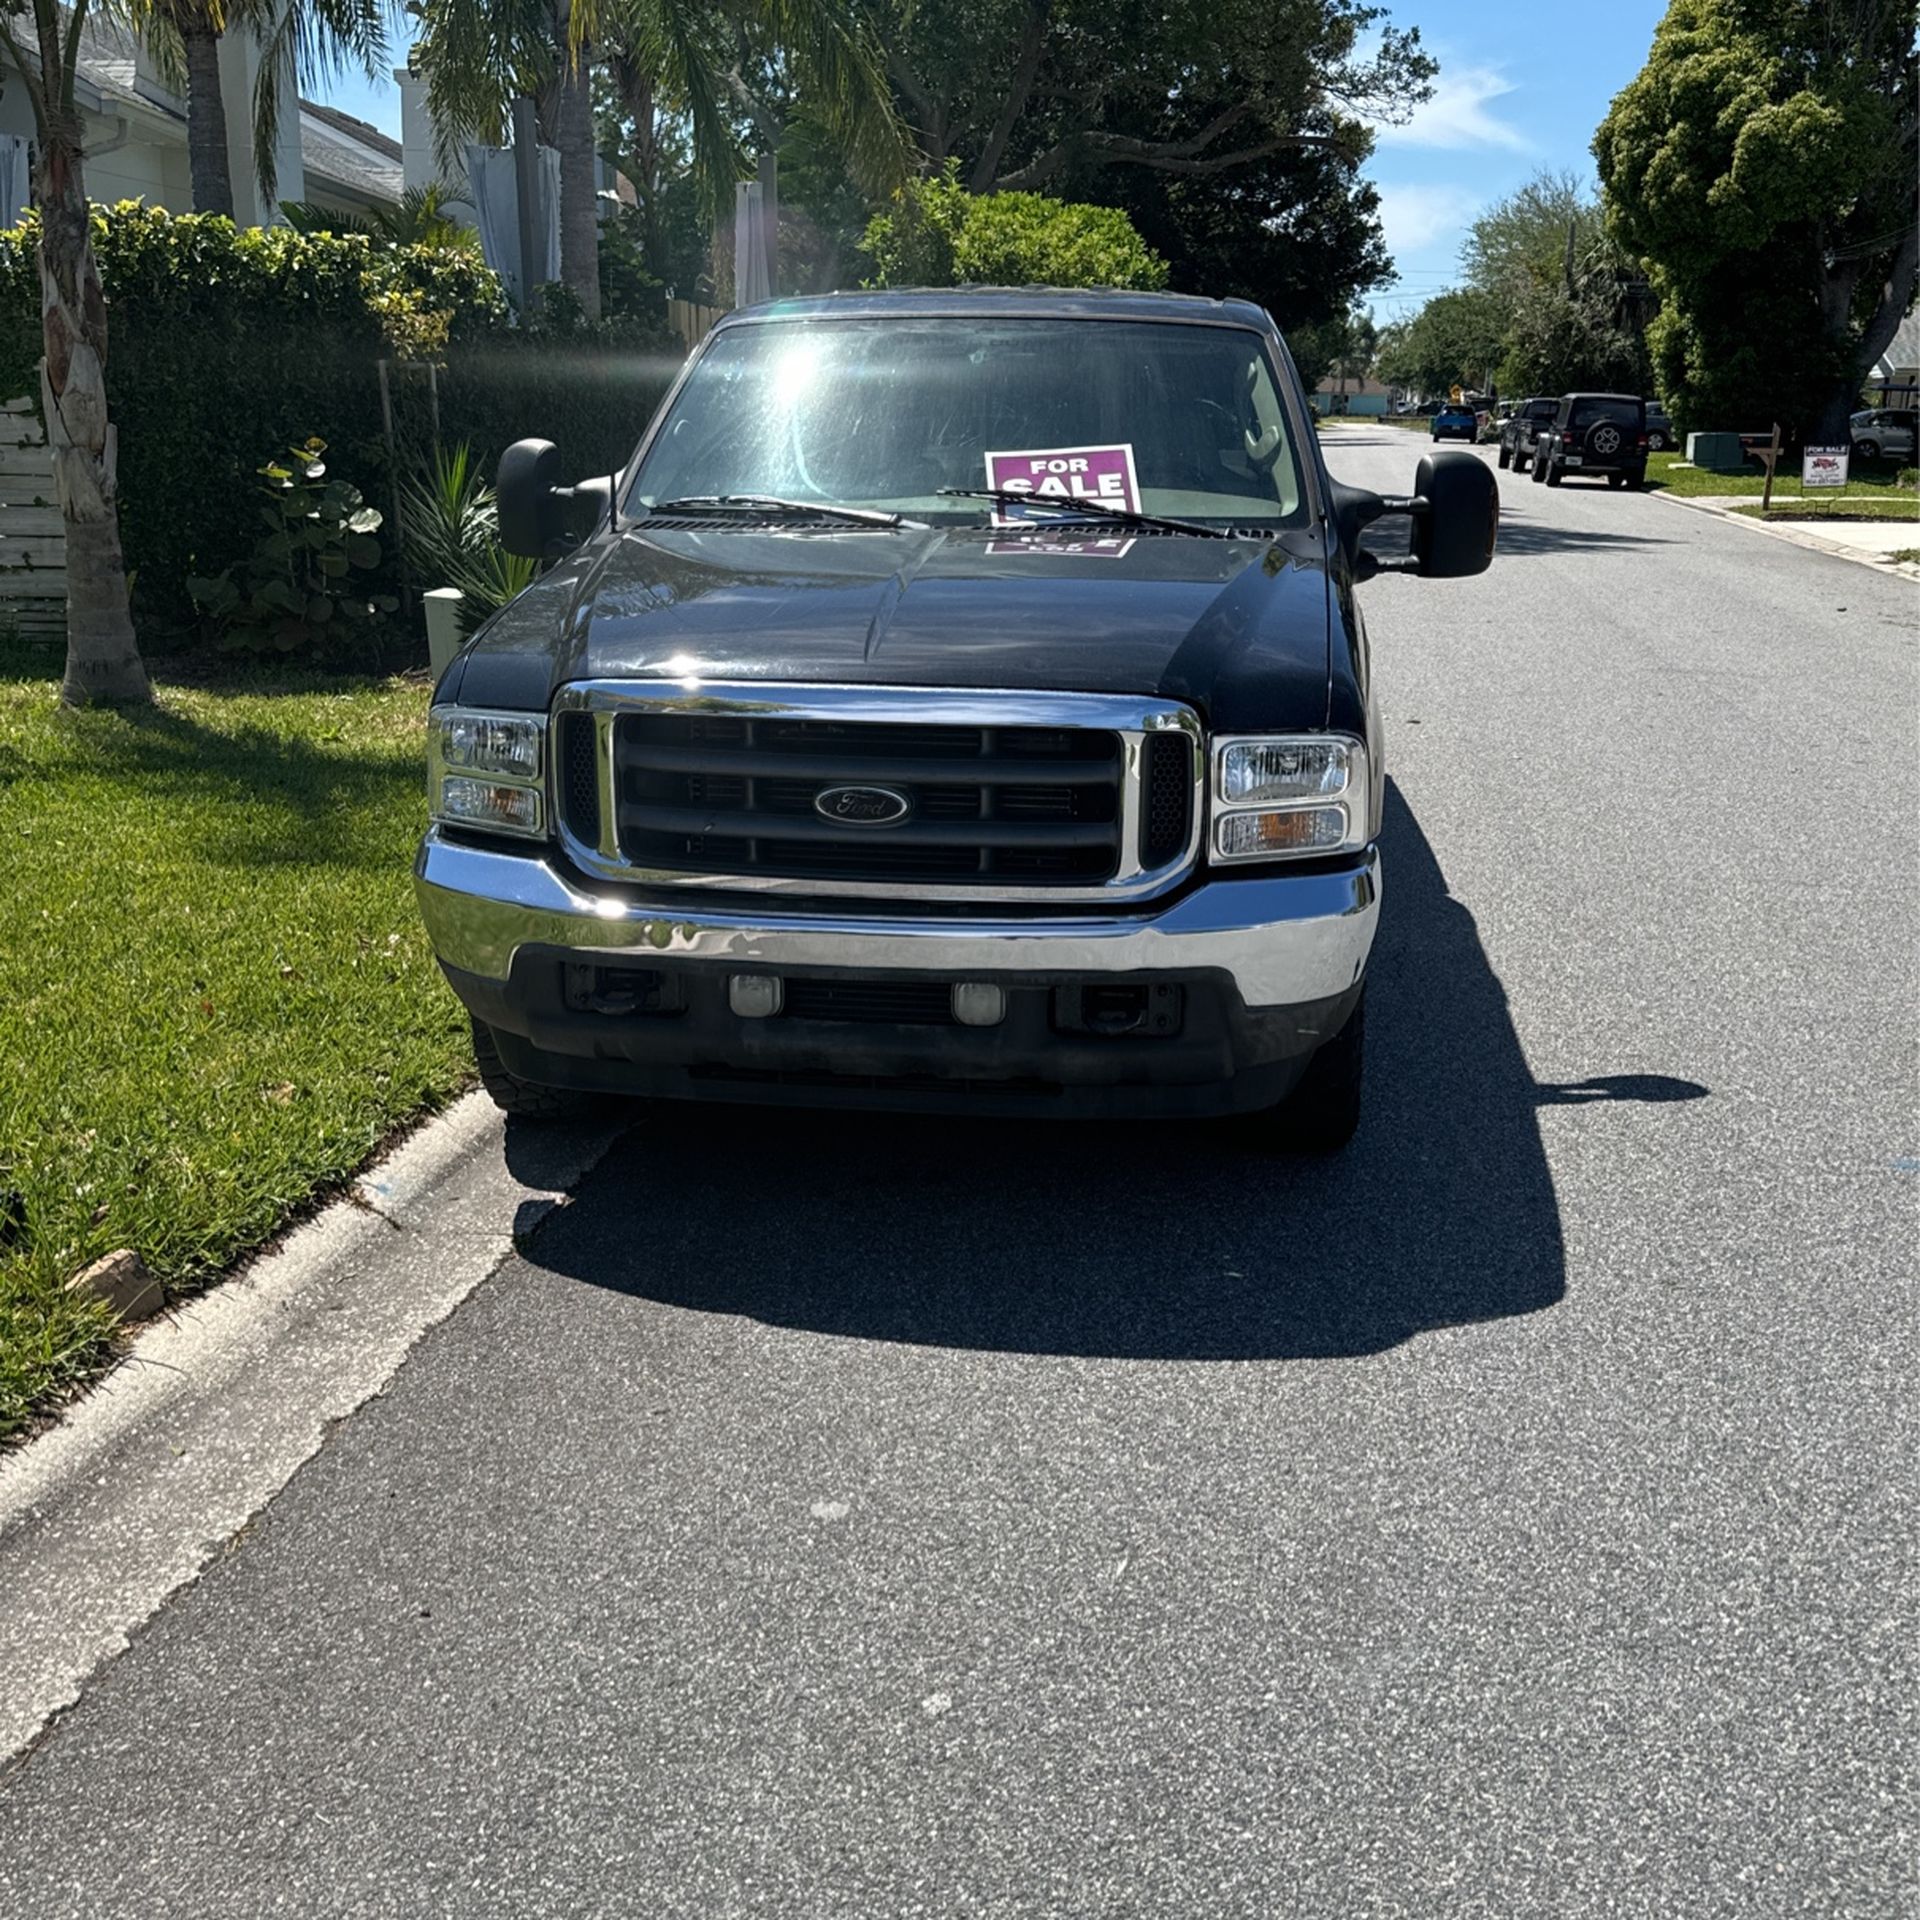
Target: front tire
523	1099
1553	475
1867	449
1503	458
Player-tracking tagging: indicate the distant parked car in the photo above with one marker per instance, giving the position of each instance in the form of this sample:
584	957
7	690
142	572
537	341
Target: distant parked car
1520	431
1455	422
1595	433
1659	428
1884	430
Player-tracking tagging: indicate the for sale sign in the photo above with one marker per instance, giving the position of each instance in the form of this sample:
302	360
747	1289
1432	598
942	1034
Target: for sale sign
1102	476
1824	467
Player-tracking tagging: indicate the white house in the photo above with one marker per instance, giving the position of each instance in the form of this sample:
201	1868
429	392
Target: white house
136	137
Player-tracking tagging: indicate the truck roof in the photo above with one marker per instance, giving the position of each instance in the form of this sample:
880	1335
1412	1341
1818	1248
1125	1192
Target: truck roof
1080	303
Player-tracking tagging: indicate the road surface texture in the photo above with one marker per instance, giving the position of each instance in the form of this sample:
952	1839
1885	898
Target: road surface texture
1513	1517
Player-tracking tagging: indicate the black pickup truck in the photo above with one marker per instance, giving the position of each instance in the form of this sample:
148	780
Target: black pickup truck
959	700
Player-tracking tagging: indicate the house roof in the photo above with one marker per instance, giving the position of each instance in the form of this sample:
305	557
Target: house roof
337	150
1903	350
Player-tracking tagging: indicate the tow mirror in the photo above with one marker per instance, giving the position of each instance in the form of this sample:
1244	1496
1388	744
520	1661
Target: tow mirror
528	482
539	518
1455	510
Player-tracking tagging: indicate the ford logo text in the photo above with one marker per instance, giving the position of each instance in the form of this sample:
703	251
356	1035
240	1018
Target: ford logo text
862	806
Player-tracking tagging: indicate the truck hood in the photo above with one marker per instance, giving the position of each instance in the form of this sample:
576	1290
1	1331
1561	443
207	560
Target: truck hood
1234	627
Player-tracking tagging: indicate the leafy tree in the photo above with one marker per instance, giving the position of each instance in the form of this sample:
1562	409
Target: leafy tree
1298	232
1026	93
1573	305
1766	164
103	660
1456	339
937	234
1346	346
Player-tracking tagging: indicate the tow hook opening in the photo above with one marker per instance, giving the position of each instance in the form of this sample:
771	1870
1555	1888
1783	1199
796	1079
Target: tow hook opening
1117	1011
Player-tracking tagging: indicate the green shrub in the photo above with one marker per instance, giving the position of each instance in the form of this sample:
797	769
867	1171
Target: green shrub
452	522
937	234
298	590
224	341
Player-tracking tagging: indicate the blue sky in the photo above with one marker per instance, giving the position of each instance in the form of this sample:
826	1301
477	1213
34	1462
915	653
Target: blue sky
1523	83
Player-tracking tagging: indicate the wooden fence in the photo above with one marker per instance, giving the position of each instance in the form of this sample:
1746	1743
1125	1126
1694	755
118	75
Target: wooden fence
33	548
690	320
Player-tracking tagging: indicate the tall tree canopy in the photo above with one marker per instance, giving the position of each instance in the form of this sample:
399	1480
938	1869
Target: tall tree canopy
1766	165
1026	92
1573	307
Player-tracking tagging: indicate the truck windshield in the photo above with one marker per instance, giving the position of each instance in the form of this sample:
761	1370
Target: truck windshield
1160	417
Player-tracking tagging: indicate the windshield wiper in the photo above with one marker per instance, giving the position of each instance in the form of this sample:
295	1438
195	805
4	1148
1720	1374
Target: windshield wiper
772	503
1095	509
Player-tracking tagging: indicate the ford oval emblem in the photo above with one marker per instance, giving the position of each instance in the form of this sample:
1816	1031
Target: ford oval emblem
862	806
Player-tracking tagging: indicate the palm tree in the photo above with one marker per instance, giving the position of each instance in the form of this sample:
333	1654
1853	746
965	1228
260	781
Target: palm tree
709	58
317	38
103	659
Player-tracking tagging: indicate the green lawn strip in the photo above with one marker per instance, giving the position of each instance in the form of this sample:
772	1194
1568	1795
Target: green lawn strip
215	993
1910	555
1873	482
1811	512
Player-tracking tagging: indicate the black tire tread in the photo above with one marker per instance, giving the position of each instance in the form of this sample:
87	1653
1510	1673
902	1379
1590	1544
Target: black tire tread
523	1099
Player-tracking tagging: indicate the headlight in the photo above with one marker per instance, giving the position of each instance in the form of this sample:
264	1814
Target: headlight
487	770
1290	796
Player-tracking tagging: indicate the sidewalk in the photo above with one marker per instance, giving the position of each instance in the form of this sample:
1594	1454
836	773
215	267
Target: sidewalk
1871	542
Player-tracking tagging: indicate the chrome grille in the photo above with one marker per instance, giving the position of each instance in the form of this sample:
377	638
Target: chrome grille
993	795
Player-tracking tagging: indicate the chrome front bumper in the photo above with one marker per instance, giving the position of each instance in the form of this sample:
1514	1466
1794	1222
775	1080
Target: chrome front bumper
1284	940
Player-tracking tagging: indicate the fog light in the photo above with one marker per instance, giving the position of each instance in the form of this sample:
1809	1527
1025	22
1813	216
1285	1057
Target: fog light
979	1003
754	996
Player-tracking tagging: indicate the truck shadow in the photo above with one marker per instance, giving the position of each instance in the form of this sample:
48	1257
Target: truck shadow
1158	1241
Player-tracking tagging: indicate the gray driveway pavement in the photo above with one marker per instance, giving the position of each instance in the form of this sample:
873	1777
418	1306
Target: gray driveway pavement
1513	1517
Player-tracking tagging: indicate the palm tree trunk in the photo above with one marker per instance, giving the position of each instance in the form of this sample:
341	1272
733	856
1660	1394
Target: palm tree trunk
207	164
579	206
103	659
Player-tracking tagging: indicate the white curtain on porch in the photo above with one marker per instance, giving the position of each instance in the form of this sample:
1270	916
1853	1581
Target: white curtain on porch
496	207
16	179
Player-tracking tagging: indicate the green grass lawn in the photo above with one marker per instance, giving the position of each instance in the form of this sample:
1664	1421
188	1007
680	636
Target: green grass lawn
1868	482
215	993
1911	555
1851	507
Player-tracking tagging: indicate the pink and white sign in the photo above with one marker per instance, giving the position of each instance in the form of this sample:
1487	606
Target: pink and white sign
1102	475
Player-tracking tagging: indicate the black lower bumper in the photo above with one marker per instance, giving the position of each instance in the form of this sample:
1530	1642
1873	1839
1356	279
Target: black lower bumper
1079	1044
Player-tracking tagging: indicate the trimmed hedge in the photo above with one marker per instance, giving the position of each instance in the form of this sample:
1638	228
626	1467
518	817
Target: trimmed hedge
226	345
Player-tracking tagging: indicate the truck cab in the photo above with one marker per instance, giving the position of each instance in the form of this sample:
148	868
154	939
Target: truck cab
960	700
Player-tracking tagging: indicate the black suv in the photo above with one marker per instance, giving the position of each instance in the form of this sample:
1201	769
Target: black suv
1595	433
1520	431
960	699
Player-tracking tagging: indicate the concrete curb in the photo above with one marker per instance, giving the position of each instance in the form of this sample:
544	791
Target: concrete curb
1798	537
219	1403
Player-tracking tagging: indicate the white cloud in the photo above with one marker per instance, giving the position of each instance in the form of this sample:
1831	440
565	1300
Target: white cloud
1457	116
1416	215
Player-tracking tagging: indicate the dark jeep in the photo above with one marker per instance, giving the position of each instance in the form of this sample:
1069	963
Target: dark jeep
1521	430
1598	434
959	700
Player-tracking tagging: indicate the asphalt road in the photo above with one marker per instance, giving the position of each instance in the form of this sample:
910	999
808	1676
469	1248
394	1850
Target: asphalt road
1514	1517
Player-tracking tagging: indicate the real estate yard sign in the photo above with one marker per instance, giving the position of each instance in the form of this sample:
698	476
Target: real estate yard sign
1823	467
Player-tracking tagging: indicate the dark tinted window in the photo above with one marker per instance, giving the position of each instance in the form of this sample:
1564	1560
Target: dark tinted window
1587	413
1542	409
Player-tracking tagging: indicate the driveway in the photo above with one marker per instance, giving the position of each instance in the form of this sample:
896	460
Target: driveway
1514	1516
